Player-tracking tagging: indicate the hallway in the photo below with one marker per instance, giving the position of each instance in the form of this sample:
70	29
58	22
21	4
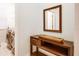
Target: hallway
7	19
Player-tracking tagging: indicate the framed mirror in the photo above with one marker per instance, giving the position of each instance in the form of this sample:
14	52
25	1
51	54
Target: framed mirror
53	19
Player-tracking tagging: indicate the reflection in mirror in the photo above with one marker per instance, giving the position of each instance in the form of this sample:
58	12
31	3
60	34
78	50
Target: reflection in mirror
52	19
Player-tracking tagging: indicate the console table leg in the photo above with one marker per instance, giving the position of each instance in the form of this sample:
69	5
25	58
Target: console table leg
37	50
31	48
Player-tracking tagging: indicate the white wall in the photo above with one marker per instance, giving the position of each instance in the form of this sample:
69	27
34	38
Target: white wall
3	16
7	15
29	21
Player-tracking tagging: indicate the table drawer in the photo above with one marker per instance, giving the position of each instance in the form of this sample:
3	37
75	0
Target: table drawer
34	41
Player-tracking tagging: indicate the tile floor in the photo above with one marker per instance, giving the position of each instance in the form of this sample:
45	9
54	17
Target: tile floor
4	51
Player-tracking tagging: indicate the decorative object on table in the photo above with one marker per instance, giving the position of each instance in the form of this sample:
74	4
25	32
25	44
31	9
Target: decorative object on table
10	40
52	38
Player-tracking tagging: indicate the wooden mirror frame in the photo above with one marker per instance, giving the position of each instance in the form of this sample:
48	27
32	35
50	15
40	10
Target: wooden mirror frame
60	19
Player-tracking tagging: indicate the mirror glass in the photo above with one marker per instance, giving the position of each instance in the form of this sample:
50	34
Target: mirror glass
52	19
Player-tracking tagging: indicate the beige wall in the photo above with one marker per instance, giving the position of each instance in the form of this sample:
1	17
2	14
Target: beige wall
3	35
76	39
29	21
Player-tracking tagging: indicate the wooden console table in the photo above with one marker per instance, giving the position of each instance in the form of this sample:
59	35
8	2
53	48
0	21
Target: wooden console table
59	49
